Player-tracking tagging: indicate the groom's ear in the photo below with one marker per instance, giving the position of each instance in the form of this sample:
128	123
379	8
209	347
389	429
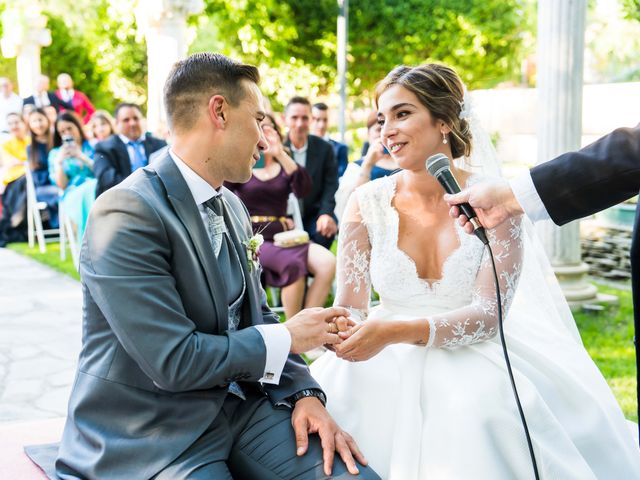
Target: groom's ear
217	110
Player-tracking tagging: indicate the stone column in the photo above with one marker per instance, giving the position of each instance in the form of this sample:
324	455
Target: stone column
24	35
561	26
164	23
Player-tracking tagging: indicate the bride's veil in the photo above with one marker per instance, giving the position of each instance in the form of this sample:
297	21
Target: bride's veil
538	289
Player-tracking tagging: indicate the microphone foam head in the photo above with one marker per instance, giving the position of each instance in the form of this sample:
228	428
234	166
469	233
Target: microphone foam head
436	163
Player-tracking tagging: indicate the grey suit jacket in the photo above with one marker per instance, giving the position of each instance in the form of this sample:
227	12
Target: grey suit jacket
156	357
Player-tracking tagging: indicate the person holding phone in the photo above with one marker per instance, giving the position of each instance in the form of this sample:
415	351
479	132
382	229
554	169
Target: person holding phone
274	177
71	169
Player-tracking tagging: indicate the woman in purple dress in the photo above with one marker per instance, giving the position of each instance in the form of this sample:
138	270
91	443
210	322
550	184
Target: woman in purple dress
266	195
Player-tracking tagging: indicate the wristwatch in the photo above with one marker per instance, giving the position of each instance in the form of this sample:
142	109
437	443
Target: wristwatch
308	392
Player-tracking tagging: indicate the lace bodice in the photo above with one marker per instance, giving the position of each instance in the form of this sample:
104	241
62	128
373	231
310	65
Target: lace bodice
461	304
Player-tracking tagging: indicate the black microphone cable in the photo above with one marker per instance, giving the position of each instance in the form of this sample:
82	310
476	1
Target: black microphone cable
508	362
438	166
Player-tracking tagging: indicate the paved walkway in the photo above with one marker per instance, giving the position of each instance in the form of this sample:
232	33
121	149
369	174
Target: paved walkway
40	334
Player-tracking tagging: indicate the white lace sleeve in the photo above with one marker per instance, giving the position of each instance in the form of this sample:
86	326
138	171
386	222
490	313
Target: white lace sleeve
354	252
478	321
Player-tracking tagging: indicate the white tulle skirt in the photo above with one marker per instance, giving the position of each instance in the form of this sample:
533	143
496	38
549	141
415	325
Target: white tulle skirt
421	413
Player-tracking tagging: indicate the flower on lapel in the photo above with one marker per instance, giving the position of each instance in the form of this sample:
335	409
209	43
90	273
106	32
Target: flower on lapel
253	245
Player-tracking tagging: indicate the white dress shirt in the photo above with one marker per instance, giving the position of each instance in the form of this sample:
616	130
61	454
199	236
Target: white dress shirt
67	95
11	104
527	196
42	100
276	337
300	154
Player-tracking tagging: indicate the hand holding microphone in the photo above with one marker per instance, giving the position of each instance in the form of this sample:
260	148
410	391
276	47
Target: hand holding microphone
438	166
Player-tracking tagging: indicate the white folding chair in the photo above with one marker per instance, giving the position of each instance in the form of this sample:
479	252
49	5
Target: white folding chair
34	216
67	234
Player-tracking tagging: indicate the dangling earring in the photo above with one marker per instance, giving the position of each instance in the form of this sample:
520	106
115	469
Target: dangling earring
444	138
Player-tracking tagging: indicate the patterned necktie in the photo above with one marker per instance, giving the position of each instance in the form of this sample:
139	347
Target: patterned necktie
217	228
139	157
229	264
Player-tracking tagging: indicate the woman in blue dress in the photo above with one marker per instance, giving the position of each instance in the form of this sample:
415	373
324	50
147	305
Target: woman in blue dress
71	169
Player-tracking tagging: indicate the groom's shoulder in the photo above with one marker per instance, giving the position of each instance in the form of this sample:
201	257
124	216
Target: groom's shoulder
143	185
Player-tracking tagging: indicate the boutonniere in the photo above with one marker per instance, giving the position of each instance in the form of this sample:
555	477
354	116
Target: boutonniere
252	245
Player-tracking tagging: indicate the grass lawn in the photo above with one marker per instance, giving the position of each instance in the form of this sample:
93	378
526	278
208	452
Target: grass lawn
607	335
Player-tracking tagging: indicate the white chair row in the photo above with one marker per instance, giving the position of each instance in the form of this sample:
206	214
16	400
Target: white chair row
64	234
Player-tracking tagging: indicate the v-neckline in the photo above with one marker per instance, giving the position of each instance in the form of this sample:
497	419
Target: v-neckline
430	284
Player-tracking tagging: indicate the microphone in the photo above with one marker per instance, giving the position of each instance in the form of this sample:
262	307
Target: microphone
439	167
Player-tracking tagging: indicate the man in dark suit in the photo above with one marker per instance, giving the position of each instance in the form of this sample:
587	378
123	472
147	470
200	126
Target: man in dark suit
124	152
318	158
319	127
184	371
572	186
43	97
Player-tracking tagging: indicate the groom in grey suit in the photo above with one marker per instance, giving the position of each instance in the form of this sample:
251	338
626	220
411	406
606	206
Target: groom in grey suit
184	371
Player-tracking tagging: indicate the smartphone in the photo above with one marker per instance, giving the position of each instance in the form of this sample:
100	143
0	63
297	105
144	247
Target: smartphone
260	162
384	150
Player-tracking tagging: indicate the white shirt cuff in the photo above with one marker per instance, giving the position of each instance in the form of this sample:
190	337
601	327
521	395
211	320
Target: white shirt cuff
277	341
527	196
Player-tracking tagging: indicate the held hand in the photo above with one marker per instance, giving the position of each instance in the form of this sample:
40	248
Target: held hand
493	201
309	416
364	340
344	326
326	225
314	327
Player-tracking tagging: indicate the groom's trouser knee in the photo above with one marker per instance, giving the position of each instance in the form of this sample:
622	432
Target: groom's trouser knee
252	440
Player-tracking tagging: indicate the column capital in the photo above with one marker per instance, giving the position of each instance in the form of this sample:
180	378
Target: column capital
24	27
150	13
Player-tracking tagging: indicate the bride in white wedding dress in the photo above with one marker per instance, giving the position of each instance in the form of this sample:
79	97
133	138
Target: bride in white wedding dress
421	383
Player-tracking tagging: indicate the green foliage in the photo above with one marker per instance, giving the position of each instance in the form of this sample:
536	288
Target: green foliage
69	53
294	41
481	39
608	337
98	44
631	8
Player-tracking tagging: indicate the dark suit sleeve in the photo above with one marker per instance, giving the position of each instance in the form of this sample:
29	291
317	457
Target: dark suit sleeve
125	264
330	175
60	104
343	158
105	167
578	184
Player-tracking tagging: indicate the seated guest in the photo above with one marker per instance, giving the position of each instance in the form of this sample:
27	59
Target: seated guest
318	158
101	126
265	196
79	102
375	163
43	97
71	169
13	151
320	126
125	152
38	159
13	224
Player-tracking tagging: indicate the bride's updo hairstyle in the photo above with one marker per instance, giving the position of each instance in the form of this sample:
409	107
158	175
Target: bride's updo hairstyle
441	91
